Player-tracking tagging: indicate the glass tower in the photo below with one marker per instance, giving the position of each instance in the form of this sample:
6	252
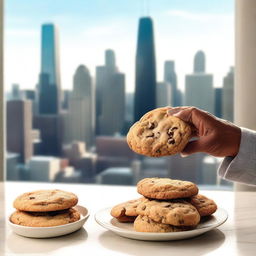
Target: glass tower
49	79
145	81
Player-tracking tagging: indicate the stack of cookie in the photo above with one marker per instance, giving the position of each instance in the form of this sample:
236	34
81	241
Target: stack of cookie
166	206
45	208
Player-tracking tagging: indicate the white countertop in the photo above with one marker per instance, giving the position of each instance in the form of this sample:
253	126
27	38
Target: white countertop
235	237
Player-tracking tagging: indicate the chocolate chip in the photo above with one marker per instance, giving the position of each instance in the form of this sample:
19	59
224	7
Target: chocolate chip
151	125
31	197
171	141
170	132
158	151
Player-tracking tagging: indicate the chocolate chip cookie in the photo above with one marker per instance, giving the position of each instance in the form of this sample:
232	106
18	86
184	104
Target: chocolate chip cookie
45	219
158	134
145	224
45	201
165	188
173	212
126	212
204	205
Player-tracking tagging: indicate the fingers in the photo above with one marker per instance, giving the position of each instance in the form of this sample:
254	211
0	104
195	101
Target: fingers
193	147
192	115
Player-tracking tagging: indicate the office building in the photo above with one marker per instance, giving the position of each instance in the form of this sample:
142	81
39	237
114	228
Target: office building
81	107
52	132
163	94
19	128
145	73
49	78
199	91
43	168
218	102
171	78
228	96
110	97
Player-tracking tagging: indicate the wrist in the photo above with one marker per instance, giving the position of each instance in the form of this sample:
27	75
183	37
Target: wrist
236	140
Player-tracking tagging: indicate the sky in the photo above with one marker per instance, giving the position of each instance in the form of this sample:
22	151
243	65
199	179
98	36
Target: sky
88	28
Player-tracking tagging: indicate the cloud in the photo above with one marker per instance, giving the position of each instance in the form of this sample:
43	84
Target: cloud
201	17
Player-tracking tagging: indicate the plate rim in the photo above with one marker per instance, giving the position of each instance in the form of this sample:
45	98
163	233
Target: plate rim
53	227
115	229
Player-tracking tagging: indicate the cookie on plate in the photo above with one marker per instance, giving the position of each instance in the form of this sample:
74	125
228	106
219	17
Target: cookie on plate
203	204
165	188
45	201
45	219
174	212
126	212
145	224
159	134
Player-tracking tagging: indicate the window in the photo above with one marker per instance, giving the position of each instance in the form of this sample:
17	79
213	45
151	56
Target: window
79	74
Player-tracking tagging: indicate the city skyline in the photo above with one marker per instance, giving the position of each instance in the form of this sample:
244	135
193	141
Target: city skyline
82	153
180	30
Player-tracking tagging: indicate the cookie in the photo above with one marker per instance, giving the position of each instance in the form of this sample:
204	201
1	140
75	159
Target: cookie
159	134
204	205
175	212
45	219
165	188
145	224
45	201
126	212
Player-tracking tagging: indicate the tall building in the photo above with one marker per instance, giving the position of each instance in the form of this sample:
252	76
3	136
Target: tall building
110	97
66	99
171	78
16	93
218	102
19	128
49	78
145	81
199	91
199	62
81	107
228	96
52	132
163	94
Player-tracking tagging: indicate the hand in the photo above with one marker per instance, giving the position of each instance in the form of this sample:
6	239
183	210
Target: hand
216	136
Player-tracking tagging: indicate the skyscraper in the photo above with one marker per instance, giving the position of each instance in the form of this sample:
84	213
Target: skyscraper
110	88
145	81
228	96
199	62
163	94
16	93
19	128
171	78
82	110
199	91
218	102
49	78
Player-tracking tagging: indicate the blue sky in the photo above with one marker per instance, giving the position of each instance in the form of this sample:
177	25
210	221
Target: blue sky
87	28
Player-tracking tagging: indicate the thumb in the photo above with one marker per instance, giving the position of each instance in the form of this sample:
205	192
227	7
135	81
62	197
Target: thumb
192	147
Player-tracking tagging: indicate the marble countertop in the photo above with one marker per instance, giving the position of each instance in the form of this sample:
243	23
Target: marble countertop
237	236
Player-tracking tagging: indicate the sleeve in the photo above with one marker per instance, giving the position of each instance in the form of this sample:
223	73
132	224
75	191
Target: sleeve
242	167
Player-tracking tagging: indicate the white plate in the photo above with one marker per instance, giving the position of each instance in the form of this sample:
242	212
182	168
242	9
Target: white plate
104	218
43	232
